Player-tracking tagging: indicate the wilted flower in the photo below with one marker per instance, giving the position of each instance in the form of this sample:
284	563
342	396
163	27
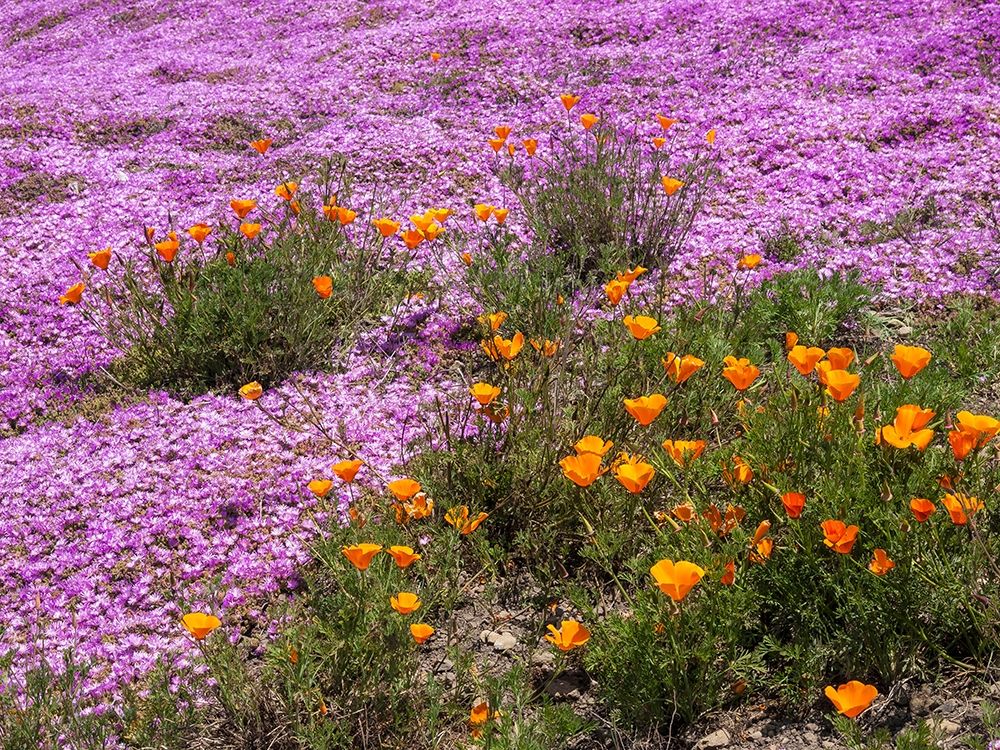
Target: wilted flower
459	518
676	579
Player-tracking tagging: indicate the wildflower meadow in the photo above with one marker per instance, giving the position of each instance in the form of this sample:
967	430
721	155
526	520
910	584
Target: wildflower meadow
521	376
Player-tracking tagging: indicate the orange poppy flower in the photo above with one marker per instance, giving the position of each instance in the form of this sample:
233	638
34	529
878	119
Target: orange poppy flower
569	101
320	487
683	452
794	503
101	258
386	226
73	295
645	408
641	326
679	369
261	146
761	551
631	274
530	145
960	507
242	207
286	190
910	360
666	122
496	144
404	488
984	427
324	286
671	185
659	142
405	603
502	131
791	340
838	536
908	428
749	262
676	579
500	214
962	441
583	468
167	249
729	577
199	232
435	56
922	508
361	555
589	120
252	391
840	384
840	358
546	348
615	289
880	564
720	526
484	393
249	230
483	211
633	473
569	635
200	624
508	348
459	518
738	473
417	507
440	214
805	358
466	258
710	136
231	259
346	216
412	238
493	321
739	372
347	470
421	632
593	444
295	207
852	698
404	556
685	512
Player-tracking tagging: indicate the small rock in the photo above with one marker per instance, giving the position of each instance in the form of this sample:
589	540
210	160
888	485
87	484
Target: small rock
542	658
504	642
756	734
812	727
487	636
944	728
446	665
922	704
718	738
810	739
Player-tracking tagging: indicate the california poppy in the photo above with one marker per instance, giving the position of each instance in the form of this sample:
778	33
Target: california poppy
199	232
440	214
231	259
641	326
412	238
908	428
739	372
569	101
403	556
459	518
666	122
852	698
320	487
404	488
496	144
984	427
791	339
405	603
671	185
242	207
659	142
324	286
249	230
546	348
910	360
963	442
922	508
589	120
286	190
729	577
502	131
633	473
794	503
679	369
421	632
73	295
200	624
838	536
960	507
100	258
840	384
261	146
252	391
840	358
417	507
500	214
615	289
346	216
466	258
530	146
508	348
749	262
593	444
386	227
435	56
676	579
493	321
738	473
582	469
167	249
568	636
710	136
805	358
646	408
361	555
347	470
484	393
683	452
880	564
483	211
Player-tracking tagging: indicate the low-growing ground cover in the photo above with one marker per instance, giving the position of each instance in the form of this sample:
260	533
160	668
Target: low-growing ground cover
560	354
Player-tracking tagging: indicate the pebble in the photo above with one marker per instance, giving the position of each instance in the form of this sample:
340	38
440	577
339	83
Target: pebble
718	738
504	642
